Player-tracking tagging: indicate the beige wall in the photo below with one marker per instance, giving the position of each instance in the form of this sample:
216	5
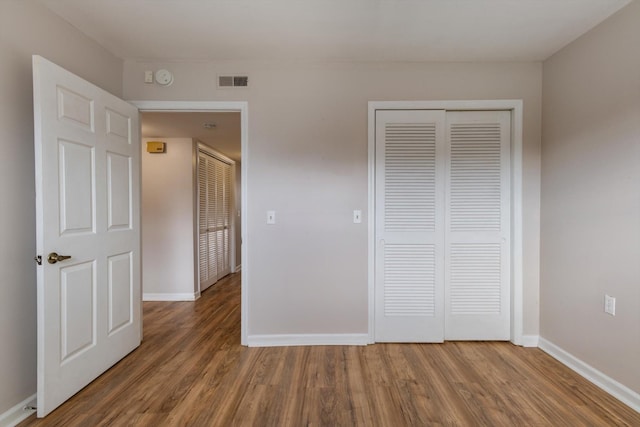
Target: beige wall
591	197
25	29
168	220
307	160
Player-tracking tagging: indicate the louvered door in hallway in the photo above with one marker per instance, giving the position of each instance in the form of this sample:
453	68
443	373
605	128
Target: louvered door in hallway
442	225
214	217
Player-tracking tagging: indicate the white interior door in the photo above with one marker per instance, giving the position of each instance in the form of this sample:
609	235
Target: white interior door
88	208
409	277
477	291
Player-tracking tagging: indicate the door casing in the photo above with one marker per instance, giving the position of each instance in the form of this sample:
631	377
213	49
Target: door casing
222	106
516	279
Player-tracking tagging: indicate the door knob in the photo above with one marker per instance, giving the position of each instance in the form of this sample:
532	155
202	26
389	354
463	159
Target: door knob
54	257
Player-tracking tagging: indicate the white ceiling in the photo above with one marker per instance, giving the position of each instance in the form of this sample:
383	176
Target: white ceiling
225	137
360	30
323	30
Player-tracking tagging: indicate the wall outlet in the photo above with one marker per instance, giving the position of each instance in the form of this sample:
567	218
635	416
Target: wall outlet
610	305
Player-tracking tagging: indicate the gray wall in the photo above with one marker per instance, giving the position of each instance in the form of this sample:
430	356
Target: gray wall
168	258
25	29
307	161
591	197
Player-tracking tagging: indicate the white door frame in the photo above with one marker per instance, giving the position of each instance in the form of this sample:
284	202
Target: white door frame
516	108
222	106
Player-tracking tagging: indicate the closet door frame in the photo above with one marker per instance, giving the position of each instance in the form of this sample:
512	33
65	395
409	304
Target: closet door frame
516	248
197	147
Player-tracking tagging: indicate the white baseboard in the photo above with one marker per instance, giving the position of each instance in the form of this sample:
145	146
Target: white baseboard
530	340
608	384
169	297
18	413
307	339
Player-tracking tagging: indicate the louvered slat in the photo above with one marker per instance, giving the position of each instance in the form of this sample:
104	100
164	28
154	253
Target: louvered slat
409	280
227	216
203	257
475	278
202	192
203	243
475	177
211	194
410	155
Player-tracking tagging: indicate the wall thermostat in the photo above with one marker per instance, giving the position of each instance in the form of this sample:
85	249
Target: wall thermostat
156	147
164	77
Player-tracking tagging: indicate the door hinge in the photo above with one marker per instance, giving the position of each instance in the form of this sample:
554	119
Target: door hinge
38	259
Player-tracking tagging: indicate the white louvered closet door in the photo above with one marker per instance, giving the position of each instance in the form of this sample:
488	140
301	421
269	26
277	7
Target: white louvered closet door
410	175
203	237
222	177
214	213
477	291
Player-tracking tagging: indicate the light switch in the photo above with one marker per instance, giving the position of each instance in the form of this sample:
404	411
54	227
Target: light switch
610	305
148	76
357	217
271	217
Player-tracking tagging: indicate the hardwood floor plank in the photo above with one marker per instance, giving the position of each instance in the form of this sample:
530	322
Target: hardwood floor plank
192	371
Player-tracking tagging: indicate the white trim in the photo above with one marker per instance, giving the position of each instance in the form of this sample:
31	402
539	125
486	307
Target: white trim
288	340
214	153
516	107
170	296
18	413
530	341
517	254
608	384
371	221
185	106
243	108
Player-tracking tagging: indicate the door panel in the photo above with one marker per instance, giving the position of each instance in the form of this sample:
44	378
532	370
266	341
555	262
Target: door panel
118	127
78	309
77	187
409	229
121	288
75	109
119	191
87	207
478	223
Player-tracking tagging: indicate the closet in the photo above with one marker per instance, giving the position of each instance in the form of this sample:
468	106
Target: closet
214	216
442	225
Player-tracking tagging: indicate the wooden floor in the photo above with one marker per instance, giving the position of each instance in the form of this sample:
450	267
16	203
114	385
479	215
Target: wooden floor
191	371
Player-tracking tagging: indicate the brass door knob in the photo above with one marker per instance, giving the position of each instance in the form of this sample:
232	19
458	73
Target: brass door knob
54	257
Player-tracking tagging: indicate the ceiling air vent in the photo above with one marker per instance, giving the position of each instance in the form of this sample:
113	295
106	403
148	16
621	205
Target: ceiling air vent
233	81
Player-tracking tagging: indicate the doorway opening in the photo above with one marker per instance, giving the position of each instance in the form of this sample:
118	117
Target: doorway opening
187	129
